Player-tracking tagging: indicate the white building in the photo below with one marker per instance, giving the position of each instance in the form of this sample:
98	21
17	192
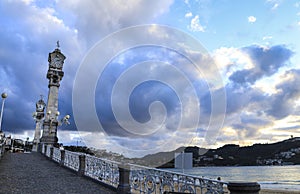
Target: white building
184	160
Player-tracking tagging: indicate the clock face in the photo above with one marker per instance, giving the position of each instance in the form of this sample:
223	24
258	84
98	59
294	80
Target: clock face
40	106
57	62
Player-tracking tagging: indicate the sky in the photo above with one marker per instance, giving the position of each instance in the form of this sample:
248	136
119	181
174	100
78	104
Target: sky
148	76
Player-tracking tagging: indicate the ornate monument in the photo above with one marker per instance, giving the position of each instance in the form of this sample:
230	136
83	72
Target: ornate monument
38	116
55	75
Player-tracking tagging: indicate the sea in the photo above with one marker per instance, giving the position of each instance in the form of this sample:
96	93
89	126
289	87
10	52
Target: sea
269	177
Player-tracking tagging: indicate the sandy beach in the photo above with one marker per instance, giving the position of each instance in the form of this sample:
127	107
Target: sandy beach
270	191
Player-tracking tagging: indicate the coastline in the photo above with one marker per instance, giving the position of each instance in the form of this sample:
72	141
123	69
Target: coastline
276	191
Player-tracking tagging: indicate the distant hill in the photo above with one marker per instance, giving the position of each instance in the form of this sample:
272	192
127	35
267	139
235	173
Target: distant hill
160	158
280	153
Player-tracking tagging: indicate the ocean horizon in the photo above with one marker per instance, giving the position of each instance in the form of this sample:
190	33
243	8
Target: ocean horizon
269	177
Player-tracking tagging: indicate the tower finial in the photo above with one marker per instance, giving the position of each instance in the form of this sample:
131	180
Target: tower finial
57	44
42	96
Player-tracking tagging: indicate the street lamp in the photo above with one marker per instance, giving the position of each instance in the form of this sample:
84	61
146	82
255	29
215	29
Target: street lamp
64	120
4	96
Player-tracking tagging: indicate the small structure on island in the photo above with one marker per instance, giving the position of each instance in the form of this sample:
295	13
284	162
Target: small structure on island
55	75
184	160
38	116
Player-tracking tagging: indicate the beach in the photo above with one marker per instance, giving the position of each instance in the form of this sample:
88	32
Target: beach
271	191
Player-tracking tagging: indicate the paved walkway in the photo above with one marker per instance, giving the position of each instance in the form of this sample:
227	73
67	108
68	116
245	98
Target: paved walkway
33	173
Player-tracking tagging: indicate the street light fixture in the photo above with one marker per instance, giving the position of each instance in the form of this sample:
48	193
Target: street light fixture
4	96
64	120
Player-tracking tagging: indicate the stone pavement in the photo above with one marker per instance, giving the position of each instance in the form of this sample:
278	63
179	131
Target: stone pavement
34	173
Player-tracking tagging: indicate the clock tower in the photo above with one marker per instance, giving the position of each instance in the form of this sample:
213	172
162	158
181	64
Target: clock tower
55	75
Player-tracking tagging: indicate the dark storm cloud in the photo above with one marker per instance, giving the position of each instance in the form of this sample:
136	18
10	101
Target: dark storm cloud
26	38
266	62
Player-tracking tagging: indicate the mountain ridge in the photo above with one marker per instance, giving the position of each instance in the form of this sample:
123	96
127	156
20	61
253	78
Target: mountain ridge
284	152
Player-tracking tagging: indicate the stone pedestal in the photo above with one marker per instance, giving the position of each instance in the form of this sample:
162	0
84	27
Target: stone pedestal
124	184
243	187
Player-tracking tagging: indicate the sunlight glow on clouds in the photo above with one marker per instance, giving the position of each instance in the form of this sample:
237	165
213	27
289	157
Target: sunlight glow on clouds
259	66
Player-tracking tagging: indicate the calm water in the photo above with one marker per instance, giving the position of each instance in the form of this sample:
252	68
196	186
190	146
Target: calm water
270	177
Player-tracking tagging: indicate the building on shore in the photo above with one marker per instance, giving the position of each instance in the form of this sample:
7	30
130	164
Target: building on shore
184	160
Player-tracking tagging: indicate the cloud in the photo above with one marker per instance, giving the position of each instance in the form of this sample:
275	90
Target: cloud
251	19
251	112
195	25
274	4
96	19
266	60
267	37
188	15
282	104
27	37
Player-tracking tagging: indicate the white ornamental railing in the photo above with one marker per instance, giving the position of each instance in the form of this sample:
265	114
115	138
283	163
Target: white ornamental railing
152	180
102	170
71	160
125	178
56	154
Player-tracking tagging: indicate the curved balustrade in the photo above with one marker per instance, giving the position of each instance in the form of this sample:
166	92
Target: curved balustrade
71	160
133	178
151	180
103	170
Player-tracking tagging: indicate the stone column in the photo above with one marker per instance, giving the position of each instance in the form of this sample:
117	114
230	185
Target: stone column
81	169
51	153
62	157
55	74
243	187
37	135
124	184
45	149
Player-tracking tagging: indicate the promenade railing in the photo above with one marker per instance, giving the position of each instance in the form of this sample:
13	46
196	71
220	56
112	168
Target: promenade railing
131	178
152	180
71	160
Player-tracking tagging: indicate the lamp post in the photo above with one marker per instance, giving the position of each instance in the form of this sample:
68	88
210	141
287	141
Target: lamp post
64	120
38	116
4	96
